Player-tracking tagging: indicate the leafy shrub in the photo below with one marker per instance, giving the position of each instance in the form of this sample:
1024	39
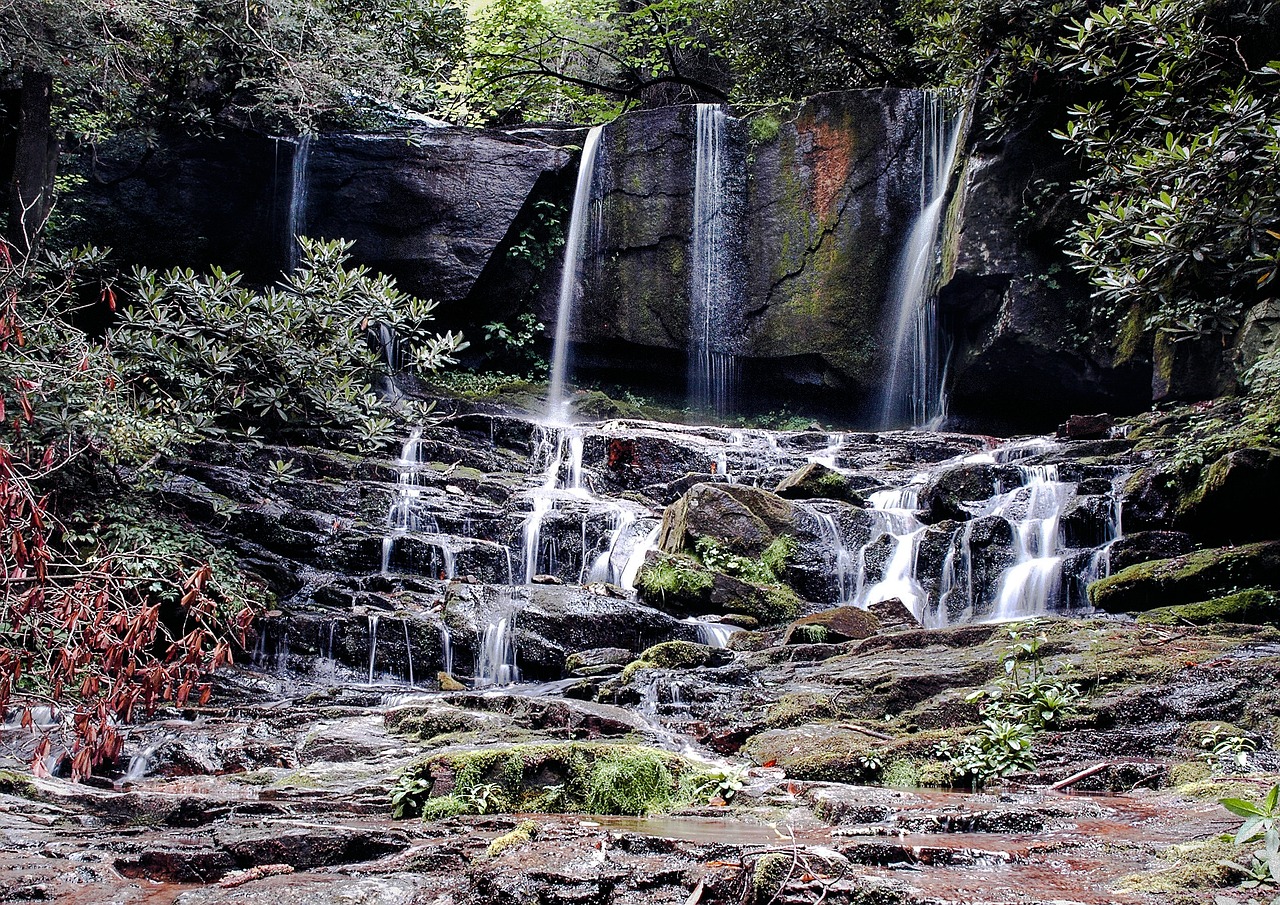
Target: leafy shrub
211	354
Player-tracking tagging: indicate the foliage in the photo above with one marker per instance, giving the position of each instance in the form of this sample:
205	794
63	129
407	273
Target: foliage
675	577
214	356
1026	698
1221	744
633	783
280	64
767	570
720	784
1261	822
518	344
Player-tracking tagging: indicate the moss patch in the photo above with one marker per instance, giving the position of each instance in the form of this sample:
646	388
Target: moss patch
1256	606
669	655
575	777
1197	867
769	875
675	580
527	831
1194	577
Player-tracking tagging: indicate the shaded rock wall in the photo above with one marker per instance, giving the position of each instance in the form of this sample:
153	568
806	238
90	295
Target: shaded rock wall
431	206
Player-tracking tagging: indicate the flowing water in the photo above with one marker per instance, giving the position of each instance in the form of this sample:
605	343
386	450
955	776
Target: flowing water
712	364
914	393
576	243
298	190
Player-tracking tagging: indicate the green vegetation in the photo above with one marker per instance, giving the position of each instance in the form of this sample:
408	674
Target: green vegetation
676	578
527	831
1026	698
554	778
1255	606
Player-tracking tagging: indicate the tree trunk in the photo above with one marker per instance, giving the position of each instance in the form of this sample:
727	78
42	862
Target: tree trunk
35	161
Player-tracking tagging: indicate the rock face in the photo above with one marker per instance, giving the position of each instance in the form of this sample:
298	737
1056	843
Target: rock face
821	215
1007	300
431	206
746	519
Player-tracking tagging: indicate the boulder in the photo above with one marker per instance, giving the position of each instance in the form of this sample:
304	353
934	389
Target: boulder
894	616
598	661
943	495
1144	546
743	519
842	623
816	481
1087	427
1191	578
1236	499
306	845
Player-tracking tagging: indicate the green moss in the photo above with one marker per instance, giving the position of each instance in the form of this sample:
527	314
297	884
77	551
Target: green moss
902	773
446	806
1185	774
781	605
1188	579
763	128
669	655
801	707
809	634
429	722
1198	866
778	554
527	831
1255	606
676	579
769	875
555	778
13	783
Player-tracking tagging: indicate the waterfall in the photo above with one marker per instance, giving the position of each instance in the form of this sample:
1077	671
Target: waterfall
845	565
571	279
563	452
712	634
373	644
712	366
408	649
1034	583
298	190
636	561
913	392
446	649
406	517
496	664
894	516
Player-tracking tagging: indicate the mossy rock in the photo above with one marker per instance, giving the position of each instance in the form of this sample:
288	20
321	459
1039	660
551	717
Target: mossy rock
670	655
526	832
675	583
1236	498
816	481
833	626
769	875
1195	577
1197	866
573	777
1252	607
746	520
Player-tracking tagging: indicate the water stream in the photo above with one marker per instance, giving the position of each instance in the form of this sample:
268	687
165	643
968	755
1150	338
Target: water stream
712	365
913	393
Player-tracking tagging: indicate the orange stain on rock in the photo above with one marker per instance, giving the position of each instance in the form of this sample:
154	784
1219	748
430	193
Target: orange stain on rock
831	157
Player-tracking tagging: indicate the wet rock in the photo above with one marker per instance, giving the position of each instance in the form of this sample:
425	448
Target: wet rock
1254	607
893	616
845	623
598	661
1190	578
1236	499
947	490
178	865
1087	427
743	519
304	845
818	482
1149	500
1143	546
1088	521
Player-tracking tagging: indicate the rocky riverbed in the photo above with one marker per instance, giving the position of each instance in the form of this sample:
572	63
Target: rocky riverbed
509	609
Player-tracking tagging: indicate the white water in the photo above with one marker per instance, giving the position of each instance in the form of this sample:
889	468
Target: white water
712	634
408	650
373	644
712	365
914	393
496	661
406	517
893	514
446	649
561	448
298	190
571	278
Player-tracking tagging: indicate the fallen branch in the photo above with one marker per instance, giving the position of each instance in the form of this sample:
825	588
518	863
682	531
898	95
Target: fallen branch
1083	774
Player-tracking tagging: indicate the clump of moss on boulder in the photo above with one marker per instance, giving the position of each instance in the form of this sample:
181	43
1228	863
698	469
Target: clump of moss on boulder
527	831
1255	606
816	481
670	655
1195	577
575	777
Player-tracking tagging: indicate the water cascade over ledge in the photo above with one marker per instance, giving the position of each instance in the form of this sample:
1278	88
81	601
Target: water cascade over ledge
914	392
575	247
712	364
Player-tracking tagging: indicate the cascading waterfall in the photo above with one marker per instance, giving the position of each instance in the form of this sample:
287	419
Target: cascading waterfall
408	650
446	649
914	393
373	644
712	364
712	634
496	663
575	245
893	514
406	517
298	190
562	450
1034	582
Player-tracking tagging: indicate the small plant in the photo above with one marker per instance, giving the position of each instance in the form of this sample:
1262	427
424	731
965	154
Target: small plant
872	762
1261	821
996	750
283	471
409	794
721	784
485	798
1220	744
